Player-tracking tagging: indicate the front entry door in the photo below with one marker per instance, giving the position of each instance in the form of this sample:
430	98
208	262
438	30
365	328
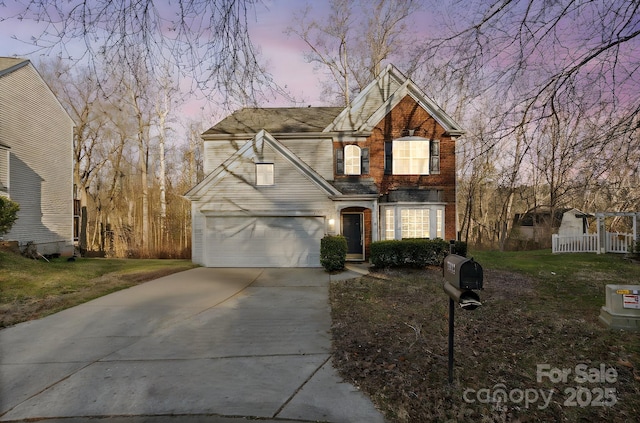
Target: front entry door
352	230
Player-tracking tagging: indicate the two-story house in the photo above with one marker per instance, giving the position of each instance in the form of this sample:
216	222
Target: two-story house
36	158
279	179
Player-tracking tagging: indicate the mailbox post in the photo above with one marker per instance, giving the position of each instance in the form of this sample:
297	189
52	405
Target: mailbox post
461	277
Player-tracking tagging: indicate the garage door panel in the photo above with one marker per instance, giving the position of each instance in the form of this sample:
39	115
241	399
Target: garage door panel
264	241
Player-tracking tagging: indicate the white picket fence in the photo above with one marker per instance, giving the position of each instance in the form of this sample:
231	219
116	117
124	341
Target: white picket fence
589	243
617	243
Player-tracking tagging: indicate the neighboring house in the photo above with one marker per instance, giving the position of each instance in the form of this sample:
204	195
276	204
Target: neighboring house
574	222
533	229
36	158
279	179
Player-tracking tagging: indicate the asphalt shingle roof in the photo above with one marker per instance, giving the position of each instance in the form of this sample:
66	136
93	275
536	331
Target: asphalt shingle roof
276	120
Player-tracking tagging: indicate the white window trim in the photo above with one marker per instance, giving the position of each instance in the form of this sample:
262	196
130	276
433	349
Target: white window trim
264	178
352	160
416	215
436	218
389	226
416	165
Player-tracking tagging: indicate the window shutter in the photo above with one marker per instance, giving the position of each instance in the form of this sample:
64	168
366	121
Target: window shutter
364	164
435	156
339	161
388	158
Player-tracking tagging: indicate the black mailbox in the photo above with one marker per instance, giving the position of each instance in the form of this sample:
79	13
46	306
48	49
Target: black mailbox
462	273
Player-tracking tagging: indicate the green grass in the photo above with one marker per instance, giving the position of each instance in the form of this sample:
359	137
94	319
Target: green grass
578	277
34	288
543	264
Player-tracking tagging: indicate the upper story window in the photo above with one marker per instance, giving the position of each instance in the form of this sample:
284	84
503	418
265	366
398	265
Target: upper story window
265	174
412	156
352	160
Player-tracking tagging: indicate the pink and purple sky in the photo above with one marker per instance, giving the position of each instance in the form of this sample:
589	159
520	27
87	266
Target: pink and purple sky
283	54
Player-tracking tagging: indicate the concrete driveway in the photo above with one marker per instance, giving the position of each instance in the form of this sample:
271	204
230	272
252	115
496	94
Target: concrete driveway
204	345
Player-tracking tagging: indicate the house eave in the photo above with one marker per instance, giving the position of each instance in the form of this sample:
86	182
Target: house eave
354	197
338	135
14	68
264	213
455	133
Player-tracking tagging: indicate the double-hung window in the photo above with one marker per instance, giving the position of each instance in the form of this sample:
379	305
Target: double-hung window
410	156
352	160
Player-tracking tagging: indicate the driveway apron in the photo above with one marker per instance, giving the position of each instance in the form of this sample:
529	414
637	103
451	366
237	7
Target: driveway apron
204	345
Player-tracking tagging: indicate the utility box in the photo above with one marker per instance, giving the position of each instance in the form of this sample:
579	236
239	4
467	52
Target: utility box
622	307
461	272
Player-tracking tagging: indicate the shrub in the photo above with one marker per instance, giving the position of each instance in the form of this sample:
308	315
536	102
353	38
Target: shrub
409	253
8	214
460	248
333	252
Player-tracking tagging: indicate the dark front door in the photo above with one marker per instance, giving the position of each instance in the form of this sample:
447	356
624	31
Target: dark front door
352	230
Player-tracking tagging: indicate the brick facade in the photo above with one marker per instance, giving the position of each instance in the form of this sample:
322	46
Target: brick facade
409	115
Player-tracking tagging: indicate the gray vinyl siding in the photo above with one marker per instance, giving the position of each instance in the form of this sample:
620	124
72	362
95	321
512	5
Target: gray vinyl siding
197	239
216	152
370	100
317	153
39	133
291	194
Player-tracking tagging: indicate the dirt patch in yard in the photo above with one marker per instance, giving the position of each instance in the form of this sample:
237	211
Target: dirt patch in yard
390	338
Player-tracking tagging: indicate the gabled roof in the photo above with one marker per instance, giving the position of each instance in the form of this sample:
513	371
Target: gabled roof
247	151
380	97
275	120
10	64
365	111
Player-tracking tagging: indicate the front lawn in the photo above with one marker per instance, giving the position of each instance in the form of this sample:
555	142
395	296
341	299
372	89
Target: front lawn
539	318
31	289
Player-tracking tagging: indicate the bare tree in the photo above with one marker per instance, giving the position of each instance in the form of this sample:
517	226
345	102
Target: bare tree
352	46
79	93
560	74
550	52
206	42
167	95
119	142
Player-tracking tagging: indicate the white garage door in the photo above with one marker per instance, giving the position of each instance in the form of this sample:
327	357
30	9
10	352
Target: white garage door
263	241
